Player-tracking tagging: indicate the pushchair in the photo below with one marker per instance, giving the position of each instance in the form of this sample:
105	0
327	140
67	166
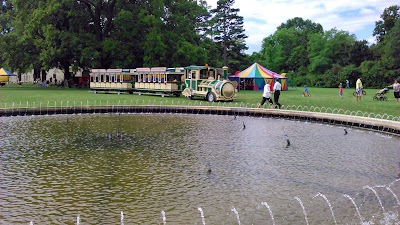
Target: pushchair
380	95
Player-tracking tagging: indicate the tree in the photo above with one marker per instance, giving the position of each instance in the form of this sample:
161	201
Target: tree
102	14
81	34
318	54
183	30
228	31
391	56
307	27
271	54
386	51
18	51
360	52
289	46
389	17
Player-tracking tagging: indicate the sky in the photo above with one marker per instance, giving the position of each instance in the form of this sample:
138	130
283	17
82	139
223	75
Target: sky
262	17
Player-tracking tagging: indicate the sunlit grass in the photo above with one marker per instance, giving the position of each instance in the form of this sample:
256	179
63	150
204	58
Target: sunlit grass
28	95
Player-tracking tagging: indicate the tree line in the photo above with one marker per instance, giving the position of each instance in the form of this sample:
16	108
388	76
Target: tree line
314	57
83	34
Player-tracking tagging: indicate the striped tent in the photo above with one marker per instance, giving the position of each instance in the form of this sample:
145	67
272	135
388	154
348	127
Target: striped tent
5	74
255	76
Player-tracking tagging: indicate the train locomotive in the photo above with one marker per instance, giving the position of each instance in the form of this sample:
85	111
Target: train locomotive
201	82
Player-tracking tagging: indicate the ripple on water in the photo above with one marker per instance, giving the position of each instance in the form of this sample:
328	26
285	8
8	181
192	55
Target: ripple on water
57	167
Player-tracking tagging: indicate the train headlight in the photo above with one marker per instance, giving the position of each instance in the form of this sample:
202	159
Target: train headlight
228	90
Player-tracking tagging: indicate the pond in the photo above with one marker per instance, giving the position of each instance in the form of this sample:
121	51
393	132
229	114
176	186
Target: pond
194	169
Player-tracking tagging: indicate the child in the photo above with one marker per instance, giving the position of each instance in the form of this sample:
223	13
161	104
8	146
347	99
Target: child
305	93
340	90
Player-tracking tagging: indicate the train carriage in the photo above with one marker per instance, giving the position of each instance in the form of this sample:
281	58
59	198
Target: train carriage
159	80
112	80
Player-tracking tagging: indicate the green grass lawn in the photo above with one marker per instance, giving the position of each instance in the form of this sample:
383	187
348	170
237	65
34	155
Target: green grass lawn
33	96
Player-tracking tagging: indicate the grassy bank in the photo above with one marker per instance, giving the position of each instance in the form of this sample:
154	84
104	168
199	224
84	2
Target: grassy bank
33	96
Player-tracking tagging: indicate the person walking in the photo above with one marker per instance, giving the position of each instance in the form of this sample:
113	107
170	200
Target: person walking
347	84
340	90
359	88
396	90
266	95
277	93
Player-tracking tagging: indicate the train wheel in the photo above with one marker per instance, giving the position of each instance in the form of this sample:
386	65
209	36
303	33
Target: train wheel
211	97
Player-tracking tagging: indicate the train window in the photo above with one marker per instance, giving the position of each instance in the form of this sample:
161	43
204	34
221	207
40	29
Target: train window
204	74
174	77
97	78
91	79
101	78
118	78
107	78
112	78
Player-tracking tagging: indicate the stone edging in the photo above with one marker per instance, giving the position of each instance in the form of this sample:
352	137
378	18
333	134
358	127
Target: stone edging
386	126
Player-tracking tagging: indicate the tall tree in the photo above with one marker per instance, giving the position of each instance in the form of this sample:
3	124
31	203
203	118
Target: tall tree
289	45
228	31
102	13
389	17
360	52
184	24
391	53
18	50
306	26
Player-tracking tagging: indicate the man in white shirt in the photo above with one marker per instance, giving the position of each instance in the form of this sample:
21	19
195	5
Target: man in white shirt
266	95
277	92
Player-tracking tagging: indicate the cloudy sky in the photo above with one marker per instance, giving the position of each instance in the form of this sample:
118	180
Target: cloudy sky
261	17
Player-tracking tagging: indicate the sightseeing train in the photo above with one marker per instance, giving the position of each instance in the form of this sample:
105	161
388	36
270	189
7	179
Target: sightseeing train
192	82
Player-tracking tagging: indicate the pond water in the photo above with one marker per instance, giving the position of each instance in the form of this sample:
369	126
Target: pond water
174	169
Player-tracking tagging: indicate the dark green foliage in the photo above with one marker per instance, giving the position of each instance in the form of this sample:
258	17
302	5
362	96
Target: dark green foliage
389	17
228	32
81	34
315	57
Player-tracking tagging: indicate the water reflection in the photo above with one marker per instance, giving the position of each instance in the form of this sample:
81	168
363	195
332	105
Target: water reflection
54	168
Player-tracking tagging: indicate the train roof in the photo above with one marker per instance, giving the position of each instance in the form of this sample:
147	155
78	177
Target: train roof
194	67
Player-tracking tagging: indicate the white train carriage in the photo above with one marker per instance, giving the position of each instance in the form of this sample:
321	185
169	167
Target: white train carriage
112	80
159	80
